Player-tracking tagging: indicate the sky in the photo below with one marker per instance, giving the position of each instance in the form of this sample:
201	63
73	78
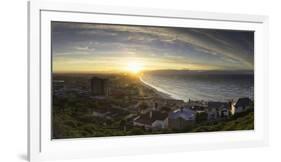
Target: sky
84	47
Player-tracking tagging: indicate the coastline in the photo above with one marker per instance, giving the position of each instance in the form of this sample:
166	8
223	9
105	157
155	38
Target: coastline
162	93
199	88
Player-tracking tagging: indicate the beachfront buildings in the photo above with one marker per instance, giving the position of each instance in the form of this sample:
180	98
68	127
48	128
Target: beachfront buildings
214	110
152	113
99	86
181	118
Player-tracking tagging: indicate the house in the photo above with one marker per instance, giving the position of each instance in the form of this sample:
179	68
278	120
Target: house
197	104
218	110
181	118
242	105
152	120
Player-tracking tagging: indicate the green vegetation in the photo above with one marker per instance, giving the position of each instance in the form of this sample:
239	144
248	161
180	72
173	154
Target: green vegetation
68	123
201	117
243	121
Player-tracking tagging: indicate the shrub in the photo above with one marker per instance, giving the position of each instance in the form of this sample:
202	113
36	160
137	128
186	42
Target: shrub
137	131
70	123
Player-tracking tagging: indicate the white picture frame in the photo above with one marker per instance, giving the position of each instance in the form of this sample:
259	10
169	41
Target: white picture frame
42	147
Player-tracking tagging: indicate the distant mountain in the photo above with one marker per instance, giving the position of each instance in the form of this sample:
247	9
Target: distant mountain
193	72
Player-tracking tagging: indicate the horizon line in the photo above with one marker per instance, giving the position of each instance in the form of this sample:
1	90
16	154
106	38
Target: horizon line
127	72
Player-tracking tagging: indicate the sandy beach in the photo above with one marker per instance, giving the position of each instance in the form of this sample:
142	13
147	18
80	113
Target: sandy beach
158	91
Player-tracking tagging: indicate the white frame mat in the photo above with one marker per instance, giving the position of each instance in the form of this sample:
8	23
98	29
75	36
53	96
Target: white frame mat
42	147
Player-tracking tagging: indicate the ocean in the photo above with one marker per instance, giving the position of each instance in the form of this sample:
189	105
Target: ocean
208	87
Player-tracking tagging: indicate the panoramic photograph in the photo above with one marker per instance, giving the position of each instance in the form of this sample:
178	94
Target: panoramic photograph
125	80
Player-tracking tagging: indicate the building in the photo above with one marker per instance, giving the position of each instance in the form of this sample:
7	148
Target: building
242	105
218	110
181	118
99	86
152	120
197	104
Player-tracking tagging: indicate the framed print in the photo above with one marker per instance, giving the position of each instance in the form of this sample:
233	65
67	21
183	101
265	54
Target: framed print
107	81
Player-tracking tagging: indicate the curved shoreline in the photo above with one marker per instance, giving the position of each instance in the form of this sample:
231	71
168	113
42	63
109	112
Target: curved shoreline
159	91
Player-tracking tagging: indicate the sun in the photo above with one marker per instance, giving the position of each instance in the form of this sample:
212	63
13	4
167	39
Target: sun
134	67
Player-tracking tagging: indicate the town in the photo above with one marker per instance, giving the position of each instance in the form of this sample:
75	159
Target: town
86	105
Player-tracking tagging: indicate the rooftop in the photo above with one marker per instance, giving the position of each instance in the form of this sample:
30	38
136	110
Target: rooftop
243	102
184	113
217	105
147	119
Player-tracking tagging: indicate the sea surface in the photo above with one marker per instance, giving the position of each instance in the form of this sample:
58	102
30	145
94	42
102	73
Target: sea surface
208	87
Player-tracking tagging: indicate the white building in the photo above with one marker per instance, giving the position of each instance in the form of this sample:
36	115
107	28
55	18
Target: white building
242	105
217	110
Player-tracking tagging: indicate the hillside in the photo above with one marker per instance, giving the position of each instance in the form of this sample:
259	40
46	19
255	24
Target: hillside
244	121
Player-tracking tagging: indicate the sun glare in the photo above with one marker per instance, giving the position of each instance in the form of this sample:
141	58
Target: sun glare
134	67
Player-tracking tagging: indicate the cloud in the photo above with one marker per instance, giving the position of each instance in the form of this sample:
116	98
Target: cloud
216	47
